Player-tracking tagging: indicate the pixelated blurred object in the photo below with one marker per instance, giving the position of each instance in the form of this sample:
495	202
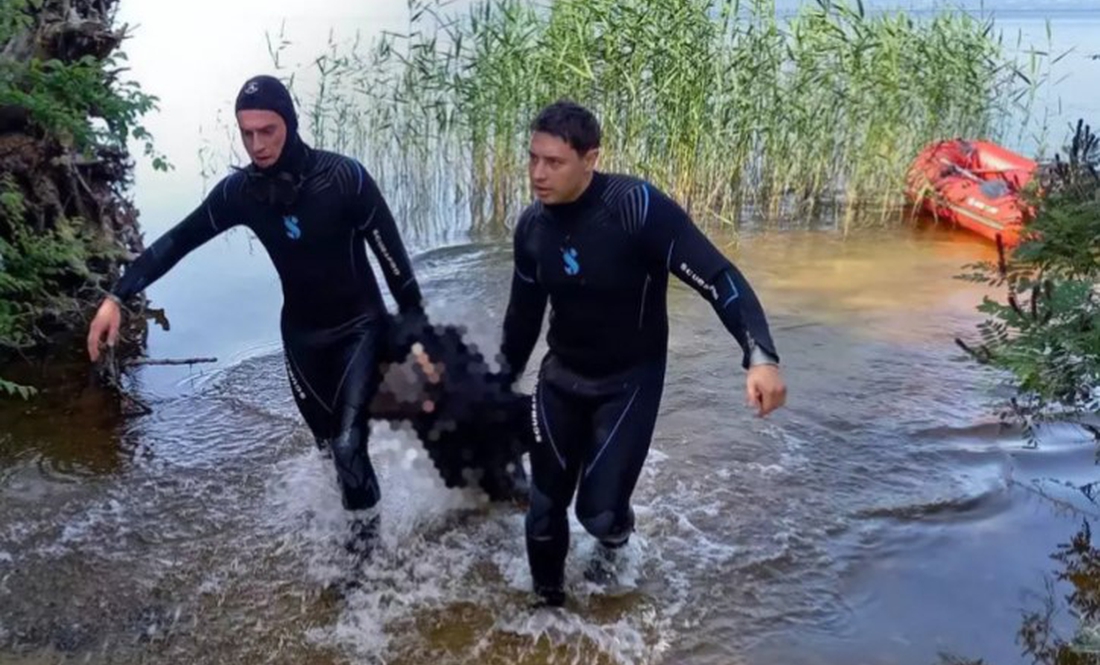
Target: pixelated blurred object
473	425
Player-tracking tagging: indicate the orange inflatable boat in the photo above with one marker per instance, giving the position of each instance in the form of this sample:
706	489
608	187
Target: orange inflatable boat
975	184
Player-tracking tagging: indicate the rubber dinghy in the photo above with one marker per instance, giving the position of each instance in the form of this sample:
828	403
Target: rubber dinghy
975	184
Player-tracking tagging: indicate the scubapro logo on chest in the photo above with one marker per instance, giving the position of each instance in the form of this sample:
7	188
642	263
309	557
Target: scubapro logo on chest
293	230
572	265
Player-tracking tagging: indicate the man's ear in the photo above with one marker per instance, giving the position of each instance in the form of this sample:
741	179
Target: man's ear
590	159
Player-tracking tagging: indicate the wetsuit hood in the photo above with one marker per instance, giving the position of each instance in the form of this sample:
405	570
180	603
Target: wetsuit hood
279	182
293	160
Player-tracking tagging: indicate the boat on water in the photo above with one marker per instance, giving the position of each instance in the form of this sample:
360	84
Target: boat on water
974	184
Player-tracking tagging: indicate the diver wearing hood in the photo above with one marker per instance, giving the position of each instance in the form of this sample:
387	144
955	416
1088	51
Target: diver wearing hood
314	212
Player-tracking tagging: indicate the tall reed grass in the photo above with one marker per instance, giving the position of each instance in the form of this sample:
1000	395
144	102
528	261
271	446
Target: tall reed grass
726	105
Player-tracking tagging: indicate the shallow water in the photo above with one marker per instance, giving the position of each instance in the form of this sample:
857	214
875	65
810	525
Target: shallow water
873	520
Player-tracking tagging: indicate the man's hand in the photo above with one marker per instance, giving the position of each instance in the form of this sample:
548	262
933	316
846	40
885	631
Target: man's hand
431	371
765	389
105	324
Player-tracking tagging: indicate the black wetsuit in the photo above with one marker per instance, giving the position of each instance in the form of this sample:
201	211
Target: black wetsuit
312	219
603	262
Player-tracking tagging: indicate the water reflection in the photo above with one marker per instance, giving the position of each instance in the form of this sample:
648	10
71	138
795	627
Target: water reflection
880	481
1042	637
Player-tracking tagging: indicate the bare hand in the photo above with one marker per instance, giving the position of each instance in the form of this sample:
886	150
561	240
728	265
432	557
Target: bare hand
105	324
431	370
765	389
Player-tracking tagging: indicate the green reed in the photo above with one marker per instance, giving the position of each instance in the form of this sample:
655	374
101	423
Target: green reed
722	103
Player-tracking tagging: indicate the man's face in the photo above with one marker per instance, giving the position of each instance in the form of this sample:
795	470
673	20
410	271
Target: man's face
558	173
263	134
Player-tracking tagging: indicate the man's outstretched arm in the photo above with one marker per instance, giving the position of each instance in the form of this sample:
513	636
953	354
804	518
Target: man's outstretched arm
213	216
669	236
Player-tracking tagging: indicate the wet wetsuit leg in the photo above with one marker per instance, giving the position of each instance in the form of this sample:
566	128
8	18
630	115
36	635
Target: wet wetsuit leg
334	376
562	424
349	448
592	435
315	410
623	425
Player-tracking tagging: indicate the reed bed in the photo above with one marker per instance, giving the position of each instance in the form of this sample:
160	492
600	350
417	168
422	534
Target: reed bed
733	109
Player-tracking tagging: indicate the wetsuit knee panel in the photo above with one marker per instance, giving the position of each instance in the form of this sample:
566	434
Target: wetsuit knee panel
351	439
609	526
358	482
543	517
360	493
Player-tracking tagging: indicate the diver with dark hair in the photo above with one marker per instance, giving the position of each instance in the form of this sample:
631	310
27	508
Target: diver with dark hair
599	249
314	212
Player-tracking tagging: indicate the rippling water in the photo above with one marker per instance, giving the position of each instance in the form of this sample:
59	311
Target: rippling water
876	519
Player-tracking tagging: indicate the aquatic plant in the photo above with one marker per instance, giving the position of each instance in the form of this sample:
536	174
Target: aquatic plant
730	107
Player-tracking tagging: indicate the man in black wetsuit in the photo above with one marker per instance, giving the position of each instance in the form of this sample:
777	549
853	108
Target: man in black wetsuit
312	210
600	248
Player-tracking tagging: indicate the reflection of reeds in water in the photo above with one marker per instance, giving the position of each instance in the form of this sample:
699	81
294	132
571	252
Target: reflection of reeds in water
720	102
1041	635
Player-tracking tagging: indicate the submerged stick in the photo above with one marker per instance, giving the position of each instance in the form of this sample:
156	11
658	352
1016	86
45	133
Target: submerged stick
141	408
982	354
157	361
110	376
